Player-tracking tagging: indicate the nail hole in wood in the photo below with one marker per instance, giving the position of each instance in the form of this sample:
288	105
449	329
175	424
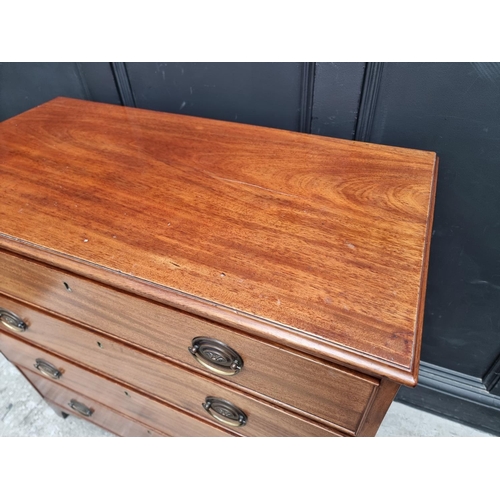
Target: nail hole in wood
99	345
126	394
67	286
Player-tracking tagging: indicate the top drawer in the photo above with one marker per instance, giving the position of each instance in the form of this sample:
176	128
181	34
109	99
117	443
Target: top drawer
301	382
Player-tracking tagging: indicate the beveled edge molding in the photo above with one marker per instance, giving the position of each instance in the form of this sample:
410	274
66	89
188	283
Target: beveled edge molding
456	384
83	81
377	410
417	344
368	102
492	376
307	95
300	340
123	85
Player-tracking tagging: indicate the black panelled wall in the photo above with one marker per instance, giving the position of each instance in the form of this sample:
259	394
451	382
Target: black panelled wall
453	109
26	85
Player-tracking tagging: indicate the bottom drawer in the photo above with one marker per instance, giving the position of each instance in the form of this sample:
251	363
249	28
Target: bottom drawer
123	427
83	407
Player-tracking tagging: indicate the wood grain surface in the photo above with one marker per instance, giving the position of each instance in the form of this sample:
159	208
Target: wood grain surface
323	237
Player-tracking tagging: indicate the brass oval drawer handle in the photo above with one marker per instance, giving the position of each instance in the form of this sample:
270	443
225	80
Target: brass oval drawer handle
47	369
225	412
216	356
12	321
80	408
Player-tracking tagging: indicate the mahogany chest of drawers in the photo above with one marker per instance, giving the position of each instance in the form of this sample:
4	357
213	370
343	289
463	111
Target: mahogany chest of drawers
170	275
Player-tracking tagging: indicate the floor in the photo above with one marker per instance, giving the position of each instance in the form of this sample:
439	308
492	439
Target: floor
23	413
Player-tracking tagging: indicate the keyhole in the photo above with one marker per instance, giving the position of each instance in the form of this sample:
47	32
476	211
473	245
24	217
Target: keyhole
67	286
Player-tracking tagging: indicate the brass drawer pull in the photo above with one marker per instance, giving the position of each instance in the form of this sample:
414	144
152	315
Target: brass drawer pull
80	408
47	369
12	321
216	356
225	412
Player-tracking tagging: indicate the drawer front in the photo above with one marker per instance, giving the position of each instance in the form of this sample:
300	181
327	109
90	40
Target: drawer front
301	382
121	426
179	387
71	402
124	400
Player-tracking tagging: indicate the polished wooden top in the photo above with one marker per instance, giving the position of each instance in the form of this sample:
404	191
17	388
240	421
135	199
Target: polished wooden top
325	239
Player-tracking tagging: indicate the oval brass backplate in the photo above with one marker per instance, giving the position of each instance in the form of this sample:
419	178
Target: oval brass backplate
80	408
225	412
216	356
47	369
11	321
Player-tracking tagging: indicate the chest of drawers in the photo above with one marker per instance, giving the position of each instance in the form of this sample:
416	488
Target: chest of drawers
170	275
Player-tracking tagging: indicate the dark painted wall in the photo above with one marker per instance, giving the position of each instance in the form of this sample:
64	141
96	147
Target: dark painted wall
453	109
261	94
336	98
26	85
